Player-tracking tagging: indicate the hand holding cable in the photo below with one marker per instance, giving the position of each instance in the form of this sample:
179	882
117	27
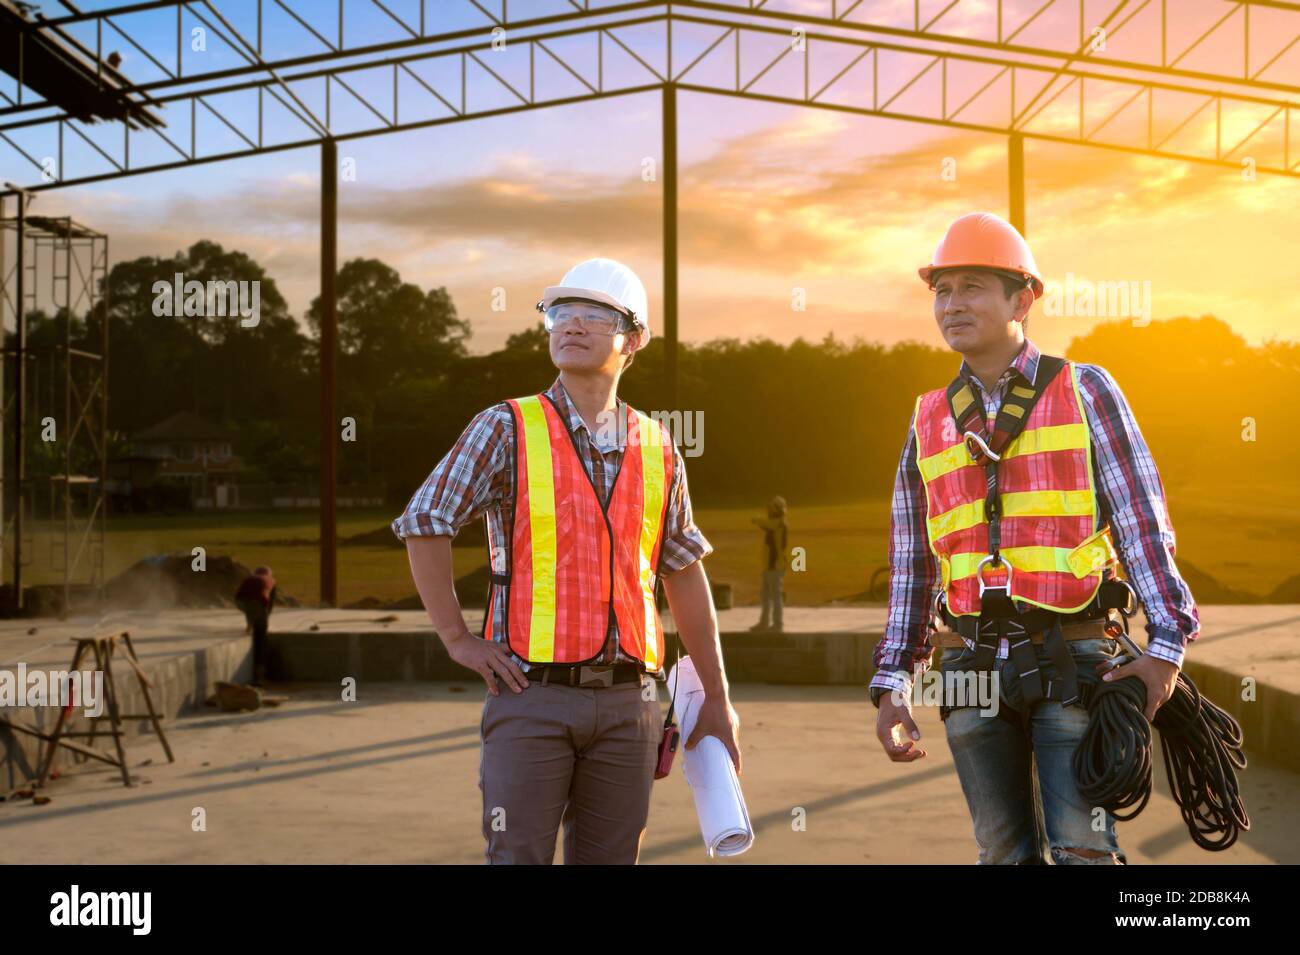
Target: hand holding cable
1201	743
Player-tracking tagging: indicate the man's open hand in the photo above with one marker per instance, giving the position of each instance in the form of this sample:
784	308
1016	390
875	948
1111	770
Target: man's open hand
897	731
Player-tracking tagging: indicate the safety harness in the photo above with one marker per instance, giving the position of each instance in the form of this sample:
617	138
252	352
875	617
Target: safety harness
1203	746
999	617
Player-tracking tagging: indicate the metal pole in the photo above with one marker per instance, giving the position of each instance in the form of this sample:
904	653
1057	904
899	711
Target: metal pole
329	166
670	242
4	270
20	388
1016	180
65	245
105	302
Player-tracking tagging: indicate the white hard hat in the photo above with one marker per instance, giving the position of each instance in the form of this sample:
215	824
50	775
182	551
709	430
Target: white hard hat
609	283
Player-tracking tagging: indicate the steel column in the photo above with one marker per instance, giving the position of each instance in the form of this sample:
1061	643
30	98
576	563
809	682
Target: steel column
1016	181
329	166
670	243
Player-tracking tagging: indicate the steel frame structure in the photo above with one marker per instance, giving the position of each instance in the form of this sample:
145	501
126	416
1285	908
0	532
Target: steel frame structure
1152	104
1144	77
67	264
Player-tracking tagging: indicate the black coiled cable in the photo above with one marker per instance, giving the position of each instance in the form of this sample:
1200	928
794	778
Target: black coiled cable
1202	747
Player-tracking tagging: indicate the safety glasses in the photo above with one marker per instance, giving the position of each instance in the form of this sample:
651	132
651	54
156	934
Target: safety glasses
597	319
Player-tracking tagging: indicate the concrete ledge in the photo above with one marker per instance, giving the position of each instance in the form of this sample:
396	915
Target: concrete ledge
1271	722
796	658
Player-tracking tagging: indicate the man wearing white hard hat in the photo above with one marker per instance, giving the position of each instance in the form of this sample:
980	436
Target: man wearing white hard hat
587	509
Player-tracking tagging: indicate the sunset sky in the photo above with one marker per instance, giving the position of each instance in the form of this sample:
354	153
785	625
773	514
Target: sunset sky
772	198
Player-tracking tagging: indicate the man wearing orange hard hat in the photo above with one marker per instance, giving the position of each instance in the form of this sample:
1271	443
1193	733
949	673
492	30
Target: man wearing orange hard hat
1027	516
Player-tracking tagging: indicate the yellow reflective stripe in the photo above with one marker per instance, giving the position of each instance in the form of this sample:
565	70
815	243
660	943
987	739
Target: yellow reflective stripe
1027	559
1014	504
1047	504
945	462
1055	437
652	479
541	523
1095	553
958	519
961	401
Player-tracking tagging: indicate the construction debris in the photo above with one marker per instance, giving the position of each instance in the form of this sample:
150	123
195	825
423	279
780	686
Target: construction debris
236	697
163	581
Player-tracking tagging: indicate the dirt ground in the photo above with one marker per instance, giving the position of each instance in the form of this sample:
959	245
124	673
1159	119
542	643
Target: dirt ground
393	778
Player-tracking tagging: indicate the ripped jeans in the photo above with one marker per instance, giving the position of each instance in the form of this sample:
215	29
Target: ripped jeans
1018	808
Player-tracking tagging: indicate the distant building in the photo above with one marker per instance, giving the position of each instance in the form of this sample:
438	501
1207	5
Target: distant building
186	462
183	460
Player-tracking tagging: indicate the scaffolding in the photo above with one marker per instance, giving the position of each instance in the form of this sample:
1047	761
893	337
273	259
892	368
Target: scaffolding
54	425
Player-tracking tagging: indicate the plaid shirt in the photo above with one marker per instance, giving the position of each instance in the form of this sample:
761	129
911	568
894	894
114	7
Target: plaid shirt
476	477
1131	498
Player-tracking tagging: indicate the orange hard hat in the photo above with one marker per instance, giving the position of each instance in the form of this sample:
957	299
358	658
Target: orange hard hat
982	240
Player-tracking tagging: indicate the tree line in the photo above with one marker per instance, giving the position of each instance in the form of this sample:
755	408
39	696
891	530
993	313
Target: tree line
816	421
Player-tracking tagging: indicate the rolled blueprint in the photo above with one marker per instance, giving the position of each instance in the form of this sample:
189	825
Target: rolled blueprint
724	820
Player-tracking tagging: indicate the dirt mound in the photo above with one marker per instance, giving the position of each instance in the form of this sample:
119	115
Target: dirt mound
161	581
1287	592
1208	590
379	537
471	590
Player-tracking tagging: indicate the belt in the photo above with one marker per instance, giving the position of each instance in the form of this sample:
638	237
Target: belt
1111	595
588	677
1083	630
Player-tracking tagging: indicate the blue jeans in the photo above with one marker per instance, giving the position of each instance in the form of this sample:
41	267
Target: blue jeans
1017	811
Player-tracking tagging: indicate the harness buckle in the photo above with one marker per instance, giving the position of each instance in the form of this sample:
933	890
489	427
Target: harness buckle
596	676
979	574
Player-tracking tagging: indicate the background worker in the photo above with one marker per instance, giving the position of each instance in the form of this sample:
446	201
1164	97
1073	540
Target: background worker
775	551
256	597
587	507
1080	465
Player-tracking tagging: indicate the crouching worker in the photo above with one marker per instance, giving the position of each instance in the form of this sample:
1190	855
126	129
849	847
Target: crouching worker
587	509
1024	496
256	597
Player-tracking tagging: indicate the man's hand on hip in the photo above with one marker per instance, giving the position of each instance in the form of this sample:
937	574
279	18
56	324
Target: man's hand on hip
489	660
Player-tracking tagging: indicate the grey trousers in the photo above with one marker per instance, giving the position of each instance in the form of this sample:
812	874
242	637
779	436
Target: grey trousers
560	754
771	596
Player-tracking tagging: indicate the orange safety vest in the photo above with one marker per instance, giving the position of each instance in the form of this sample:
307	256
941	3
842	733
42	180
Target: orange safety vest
1050	514
577	567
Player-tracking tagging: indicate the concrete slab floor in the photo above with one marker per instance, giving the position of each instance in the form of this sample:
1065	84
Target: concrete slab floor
393	778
